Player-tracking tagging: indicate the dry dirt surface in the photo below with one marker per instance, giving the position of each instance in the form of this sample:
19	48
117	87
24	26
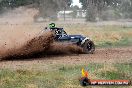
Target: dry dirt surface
18	35
102	55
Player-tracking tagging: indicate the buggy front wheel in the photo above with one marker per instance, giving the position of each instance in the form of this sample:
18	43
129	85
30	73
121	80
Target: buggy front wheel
88	47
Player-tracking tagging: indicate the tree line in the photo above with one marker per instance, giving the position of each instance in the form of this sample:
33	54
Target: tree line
45	7
101	9
107	8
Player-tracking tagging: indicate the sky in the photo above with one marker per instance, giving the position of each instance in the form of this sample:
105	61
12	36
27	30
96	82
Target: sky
76	2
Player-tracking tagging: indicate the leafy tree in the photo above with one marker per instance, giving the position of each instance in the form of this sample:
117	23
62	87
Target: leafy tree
47	8
126	8
95	7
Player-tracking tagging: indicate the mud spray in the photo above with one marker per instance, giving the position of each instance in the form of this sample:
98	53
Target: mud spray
43	44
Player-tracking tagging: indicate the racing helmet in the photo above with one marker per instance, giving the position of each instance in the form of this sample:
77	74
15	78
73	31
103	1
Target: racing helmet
52	25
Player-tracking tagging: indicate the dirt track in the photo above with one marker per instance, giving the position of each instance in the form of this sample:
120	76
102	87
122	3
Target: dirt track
108	55
25	30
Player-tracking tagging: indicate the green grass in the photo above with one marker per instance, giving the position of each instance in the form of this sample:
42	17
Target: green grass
122	42
64	76
103	36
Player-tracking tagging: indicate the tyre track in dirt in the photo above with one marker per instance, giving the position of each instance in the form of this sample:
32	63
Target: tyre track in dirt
102	55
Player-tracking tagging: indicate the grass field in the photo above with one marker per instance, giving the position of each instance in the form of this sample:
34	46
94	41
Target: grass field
17	27
65	76
104	36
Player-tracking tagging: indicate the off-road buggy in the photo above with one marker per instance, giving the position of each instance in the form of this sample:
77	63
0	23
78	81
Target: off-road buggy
61	36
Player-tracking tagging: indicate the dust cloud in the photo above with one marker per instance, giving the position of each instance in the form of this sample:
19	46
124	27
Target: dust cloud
18	37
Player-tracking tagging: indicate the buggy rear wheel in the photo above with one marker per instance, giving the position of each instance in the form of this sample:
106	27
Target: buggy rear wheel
88	47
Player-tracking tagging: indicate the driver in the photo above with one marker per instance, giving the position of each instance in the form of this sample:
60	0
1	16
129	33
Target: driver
51	26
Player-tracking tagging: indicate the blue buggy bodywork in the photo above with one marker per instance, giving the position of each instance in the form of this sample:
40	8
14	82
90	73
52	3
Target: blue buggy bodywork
84	42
